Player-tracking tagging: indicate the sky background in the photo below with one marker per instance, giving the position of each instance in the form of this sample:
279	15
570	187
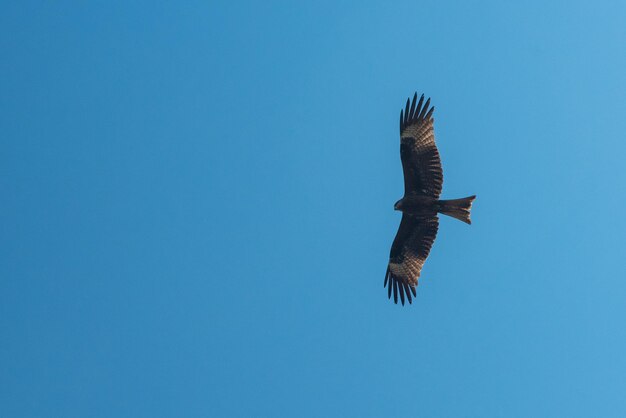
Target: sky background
197	209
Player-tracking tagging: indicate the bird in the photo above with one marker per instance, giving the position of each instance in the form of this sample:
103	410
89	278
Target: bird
420	206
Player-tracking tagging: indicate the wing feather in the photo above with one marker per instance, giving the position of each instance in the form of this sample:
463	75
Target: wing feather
406	110
408	292
395	291
412	112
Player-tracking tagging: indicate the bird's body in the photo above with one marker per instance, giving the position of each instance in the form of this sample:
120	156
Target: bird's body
417	205
423	181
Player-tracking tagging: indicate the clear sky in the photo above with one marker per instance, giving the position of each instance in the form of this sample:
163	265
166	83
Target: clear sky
197	209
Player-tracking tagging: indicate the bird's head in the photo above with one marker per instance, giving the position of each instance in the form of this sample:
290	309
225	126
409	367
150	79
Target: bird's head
398	205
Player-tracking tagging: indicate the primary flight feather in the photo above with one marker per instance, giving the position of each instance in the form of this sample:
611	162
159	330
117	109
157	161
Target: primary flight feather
423	180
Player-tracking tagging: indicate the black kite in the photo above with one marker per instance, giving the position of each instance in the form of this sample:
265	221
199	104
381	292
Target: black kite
423	178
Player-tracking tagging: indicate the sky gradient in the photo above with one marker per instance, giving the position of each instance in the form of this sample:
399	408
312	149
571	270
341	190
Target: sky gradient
197	209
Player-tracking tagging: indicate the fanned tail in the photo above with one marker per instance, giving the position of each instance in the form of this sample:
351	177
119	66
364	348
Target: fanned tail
458	208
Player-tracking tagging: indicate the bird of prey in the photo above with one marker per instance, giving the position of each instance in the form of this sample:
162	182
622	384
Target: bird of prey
423	178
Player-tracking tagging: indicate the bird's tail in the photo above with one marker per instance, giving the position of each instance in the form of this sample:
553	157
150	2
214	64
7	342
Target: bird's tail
457	208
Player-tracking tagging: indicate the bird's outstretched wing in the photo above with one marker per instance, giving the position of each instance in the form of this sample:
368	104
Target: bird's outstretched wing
421	164
410	249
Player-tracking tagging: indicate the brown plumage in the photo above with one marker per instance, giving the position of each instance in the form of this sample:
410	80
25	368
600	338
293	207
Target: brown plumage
423	180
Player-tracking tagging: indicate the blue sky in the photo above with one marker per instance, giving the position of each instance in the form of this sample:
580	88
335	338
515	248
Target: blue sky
197	209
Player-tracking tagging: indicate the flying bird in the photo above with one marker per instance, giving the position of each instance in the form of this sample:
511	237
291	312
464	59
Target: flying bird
423	179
